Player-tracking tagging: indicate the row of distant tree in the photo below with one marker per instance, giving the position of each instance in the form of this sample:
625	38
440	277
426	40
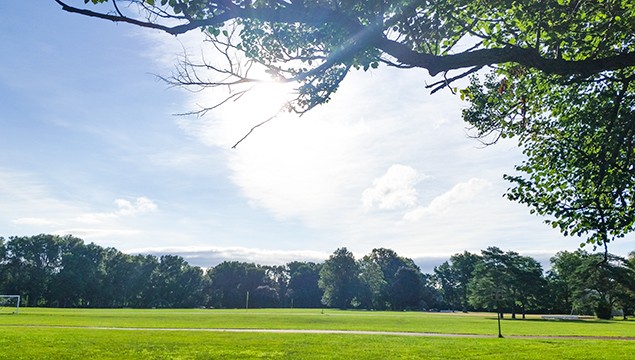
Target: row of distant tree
63	271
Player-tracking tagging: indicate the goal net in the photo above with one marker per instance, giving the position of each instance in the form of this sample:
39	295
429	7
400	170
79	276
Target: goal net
9	304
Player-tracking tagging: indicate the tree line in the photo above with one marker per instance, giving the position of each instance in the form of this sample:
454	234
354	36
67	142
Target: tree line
64	271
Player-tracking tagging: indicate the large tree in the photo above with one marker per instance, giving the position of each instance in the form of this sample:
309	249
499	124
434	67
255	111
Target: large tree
562	281
79	282
303	290
233	282
491	285
372	285
177	284
561	77
453	279
407	290
579	139
339	279
463	265
528	282
445	279
389	263
595	285
31	263
507	279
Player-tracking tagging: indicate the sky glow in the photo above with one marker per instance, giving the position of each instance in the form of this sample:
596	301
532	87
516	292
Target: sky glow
89	146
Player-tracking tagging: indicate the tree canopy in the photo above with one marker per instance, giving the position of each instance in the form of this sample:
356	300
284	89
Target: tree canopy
328	37
560	77
63	271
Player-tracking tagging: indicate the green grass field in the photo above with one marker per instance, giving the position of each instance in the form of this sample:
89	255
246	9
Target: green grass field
141	334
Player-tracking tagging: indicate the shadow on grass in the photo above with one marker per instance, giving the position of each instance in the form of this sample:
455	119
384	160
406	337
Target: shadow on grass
578	321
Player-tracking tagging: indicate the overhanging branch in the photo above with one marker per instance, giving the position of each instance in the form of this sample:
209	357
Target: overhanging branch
406	57
483	57
174	30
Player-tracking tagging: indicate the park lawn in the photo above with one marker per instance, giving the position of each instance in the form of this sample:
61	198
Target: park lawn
33	335
19	342
303	319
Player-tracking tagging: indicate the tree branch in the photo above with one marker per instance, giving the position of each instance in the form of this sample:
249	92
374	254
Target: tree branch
483	57
252	129
174	30
446	82
373	36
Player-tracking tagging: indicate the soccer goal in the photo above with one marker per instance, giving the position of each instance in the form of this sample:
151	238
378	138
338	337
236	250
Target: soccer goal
9	304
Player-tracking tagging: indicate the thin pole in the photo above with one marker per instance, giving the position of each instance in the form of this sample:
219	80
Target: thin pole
498	315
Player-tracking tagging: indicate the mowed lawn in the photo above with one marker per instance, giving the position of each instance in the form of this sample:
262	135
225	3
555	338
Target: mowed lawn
127	334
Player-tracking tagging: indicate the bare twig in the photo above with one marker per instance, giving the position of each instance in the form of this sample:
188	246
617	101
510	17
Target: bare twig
446	82
254	128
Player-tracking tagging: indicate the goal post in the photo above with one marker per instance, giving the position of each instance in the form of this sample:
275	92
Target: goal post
9	304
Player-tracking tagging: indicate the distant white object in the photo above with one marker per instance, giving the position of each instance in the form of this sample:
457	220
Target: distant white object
10	302
561	317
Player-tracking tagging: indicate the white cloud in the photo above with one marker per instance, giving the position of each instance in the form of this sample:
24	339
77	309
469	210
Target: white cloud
315	168
27	203
141	205
460	193
212	256
394	190
30	206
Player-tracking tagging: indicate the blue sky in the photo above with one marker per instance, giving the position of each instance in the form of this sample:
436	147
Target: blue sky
89	146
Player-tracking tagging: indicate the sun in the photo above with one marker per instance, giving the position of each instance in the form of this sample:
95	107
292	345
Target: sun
264	98
263	102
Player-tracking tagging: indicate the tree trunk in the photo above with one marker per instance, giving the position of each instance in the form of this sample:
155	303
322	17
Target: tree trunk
523	309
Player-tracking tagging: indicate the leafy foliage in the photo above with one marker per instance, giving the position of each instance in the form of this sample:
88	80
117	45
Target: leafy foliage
317	42
339	279
303	290
453	278
49	270
506	279
578	137
595	285
381	268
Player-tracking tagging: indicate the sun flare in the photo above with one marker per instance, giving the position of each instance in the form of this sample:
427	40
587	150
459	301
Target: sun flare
264	100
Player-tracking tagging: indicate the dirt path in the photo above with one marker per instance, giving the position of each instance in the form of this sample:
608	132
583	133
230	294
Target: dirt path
339	332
